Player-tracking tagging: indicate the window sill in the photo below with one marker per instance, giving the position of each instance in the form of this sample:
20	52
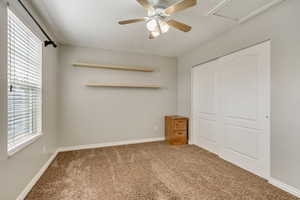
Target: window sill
12	151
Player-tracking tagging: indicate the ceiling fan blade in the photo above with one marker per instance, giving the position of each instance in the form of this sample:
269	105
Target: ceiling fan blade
130	21
180	6
145	4
180	26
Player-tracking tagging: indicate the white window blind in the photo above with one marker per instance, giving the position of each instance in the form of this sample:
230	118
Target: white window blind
24	82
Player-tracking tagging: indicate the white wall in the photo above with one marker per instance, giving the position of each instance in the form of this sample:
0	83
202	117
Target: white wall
17	171
100	115
281	25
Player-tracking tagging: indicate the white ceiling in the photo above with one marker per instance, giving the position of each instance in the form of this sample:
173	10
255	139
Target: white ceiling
93	23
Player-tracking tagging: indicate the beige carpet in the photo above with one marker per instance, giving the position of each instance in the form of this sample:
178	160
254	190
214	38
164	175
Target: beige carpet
148	172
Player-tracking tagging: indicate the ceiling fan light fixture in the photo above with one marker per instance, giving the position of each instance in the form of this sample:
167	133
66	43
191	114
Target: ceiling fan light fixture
155	34
152	25
164	26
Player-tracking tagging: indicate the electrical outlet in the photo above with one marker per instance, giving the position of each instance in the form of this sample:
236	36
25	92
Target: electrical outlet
155	128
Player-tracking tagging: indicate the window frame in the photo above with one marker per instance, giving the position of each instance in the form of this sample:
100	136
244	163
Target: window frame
3	81
6	153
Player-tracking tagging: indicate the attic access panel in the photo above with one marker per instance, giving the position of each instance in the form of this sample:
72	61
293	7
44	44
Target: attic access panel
241	10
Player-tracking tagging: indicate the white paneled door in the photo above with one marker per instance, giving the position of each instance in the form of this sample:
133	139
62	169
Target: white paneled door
205	123
230	108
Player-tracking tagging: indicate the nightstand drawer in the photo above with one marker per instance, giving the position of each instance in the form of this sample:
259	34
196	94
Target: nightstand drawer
180	124
179	137
180	134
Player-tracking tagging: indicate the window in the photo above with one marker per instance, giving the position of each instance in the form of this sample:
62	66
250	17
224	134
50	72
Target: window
24	84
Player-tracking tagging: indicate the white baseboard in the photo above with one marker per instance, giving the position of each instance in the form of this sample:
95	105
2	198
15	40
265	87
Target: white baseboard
109	144
35	179
290	189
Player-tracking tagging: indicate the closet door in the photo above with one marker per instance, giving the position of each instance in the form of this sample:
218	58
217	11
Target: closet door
204	107
231	107
244	92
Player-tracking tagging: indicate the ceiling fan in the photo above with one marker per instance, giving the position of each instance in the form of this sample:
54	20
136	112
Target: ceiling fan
157	21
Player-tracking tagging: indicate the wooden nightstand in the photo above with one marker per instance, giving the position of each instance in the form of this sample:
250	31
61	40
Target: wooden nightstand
176	129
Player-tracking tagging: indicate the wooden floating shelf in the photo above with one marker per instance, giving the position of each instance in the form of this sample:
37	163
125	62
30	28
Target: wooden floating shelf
114	67
120	85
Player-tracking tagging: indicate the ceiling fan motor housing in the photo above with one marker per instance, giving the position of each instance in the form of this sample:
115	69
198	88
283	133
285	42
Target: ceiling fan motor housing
160	12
